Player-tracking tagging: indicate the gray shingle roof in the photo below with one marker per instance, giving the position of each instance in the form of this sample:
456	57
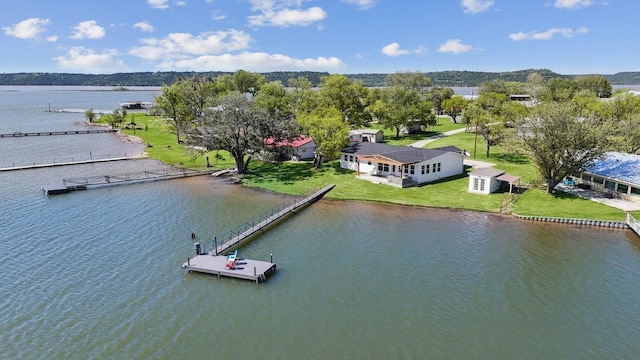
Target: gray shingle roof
402	154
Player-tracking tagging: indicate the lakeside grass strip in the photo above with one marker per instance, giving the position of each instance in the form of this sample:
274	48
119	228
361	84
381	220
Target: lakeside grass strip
299	178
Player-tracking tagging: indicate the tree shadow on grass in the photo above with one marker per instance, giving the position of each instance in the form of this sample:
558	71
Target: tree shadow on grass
520	159
284	172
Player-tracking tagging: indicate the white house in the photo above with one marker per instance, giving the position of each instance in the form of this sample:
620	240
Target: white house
366	135
402	166
488	179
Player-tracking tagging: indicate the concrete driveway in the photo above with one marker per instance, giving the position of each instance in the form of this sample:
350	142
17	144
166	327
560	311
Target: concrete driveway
621	204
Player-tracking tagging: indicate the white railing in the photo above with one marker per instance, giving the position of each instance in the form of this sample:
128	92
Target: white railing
633	223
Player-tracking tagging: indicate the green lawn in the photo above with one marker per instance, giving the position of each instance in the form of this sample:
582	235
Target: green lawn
299	178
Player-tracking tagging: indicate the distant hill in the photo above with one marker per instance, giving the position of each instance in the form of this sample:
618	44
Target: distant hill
440	78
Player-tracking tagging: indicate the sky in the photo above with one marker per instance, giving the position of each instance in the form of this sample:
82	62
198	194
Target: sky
569	37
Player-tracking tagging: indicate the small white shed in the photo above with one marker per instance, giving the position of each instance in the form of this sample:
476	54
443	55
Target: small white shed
488	180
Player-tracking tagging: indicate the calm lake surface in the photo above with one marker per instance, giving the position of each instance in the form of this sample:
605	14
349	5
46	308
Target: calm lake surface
96	274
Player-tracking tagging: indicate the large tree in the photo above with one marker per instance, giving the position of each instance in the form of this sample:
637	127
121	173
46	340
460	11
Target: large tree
559	140
234	123
398	107
349	98
598	84
173	105
328	130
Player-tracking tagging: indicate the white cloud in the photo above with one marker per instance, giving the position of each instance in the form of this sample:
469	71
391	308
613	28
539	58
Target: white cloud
455	46
573	4
361	4
80	59
394	50
144	26
52	38
476	6
88	30
280	13
218	15
547	35
181	45
258	61
158	4
27	29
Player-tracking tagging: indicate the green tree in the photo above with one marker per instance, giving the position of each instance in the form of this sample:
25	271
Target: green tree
329	132
438	95
172	102
303	99
89	115
559	141
410	80
598	84
247	82
454	106
273	97
237	125
350	98
398	107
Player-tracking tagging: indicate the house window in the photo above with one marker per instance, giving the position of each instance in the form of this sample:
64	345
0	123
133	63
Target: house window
405	169
623	188
385	167
346	157
422	169
393	167
412	169
368	162
304	149
439	164
351	158
379	167
428	166
635	191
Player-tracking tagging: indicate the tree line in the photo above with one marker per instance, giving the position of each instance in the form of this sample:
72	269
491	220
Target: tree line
565	125
440	78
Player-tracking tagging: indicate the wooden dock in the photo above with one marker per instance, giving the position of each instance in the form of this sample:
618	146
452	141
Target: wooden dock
63	132
247	269
214	262
83	183
223	245
67	163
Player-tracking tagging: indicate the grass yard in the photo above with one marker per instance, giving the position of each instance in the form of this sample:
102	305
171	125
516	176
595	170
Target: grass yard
299	178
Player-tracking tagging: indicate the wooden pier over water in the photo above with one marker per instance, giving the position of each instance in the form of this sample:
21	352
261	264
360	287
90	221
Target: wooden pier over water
214	262
83	183
72	162
62	132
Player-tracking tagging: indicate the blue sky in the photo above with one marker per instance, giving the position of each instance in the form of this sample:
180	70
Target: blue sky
337	36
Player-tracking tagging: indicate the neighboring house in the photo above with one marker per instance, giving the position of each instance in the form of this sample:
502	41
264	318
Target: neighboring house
402	166
366	135
487	180
618	173
301	148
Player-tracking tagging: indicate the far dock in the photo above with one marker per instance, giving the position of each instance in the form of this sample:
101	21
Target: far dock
62	132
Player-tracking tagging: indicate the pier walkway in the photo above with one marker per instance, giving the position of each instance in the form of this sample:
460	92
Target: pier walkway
83	183
214	262
63	132
78	162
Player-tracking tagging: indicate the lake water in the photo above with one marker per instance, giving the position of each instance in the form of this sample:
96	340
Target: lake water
96	274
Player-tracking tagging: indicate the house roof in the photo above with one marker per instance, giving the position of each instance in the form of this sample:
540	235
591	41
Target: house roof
618	166
487	171
297	142
365	131
401	154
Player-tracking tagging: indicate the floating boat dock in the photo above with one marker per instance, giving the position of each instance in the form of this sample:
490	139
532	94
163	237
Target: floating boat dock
215	261
246	269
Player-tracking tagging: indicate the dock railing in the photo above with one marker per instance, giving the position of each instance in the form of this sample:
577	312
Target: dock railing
633	223
221	243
